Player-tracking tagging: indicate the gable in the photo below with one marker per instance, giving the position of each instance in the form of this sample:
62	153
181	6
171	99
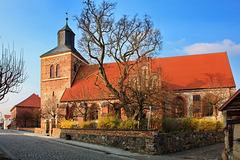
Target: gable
32	101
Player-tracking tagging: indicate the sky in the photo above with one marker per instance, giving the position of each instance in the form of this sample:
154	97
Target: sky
187	27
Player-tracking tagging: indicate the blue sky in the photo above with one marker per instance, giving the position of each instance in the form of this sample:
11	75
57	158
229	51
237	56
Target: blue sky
187	27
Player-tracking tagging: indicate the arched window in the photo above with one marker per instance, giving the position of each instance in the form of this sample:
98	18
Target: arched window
51	71
209	104
93	113
179	108
58	70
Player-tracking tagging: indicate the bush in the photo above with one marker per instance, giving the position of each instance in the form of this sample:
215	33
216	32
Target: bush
128	124
209	125
190	125
87	124
64	123
108	122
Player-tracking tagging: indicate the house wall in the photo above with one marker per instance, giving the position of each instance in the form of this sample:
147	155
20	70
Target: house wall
6	122
13	117
19	116
236	142
187	96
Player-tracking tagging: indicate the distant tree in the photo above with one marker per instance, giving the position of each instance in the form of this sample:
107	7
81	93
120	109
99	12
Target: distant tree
122	41
12	72
50	110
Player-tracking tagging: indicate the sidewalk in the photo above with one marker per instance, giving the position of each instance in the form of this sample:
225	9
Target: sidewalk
209	152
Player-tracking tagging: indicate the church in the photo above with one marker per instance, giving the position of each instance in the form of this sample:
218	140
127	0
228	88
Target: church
66	84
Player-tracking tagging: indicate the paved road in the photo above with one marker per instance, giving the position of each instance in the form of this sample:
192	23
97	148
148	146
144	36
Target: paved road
22	145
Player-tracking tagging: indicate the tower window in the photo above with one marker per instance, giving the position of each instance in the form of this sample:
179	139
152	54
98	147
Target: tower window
51	71
58	70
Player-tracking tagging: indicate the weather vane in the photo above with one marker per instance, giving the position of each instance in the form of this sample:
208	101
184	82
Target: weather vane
66	17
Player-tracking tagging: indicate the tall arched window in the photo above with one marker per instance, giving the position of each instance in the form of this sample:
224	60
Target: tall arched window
51	71
93	113
58	70
179	108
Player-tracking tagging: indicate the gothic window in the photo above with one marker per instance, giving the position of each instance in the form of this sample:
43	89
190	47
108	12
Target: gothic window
196	106
51	71
179	108
58	70
143	77
209	101
93	113
75	113
153	82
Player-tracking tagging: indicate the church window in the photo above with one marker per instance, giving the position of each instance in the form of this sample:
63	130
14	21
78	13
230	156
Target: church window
179	108
58	70
51	71
93	113
196	106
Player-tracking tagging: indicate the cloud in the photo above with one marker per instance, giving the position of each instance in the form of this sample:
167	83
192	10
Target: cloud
225	45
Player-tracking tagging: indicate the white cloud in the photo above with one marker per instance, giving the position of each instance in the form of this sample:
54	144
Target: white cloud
225	45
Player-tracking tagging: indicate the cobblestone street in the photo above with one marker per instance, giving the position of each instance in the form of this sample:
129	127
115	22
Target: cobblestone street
23	145
28	147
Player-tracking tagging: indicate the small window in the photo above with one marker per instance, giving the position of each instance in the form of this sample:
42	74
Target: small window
75	67
58	70
196	97
51	71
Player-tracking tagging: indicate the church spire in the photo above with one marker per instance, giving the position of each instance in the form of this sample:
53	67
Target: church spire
66	35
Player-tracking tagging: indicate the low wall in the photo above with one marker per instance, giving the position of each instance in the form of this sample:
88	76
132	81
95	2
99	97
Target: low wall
175	142
142	141
40	131
24	129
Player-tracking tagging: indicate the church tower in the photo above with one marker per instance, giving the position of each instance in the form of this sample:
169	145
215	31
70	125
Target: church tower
59	67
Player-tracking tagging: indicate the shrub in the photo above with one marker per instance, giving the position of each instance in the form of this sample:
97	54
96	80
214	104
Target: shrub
209	125
128	124
190	125
108	122
64	123
87	124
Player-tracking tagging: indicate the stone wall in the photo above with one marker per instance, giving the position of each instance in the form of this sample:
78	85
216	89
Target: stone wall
175	142
142	141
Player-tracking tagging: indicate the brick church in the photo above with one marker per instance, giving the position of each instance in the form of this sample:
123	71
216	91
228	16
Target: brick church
65	82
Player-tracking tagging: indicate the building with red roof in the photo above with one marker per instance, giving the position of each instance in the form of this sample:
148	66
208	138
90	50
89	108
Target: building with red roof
6	121
27	112
192	78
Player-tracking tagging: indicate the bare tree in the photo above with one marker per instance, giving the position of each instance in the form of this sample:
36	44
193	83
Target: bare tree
12	72
50	110
145	90
121	41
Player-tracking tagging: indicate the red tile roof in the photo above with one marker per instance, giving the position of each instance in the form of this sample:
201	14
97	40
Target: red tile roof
196	71
180	73
7	116
32	101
